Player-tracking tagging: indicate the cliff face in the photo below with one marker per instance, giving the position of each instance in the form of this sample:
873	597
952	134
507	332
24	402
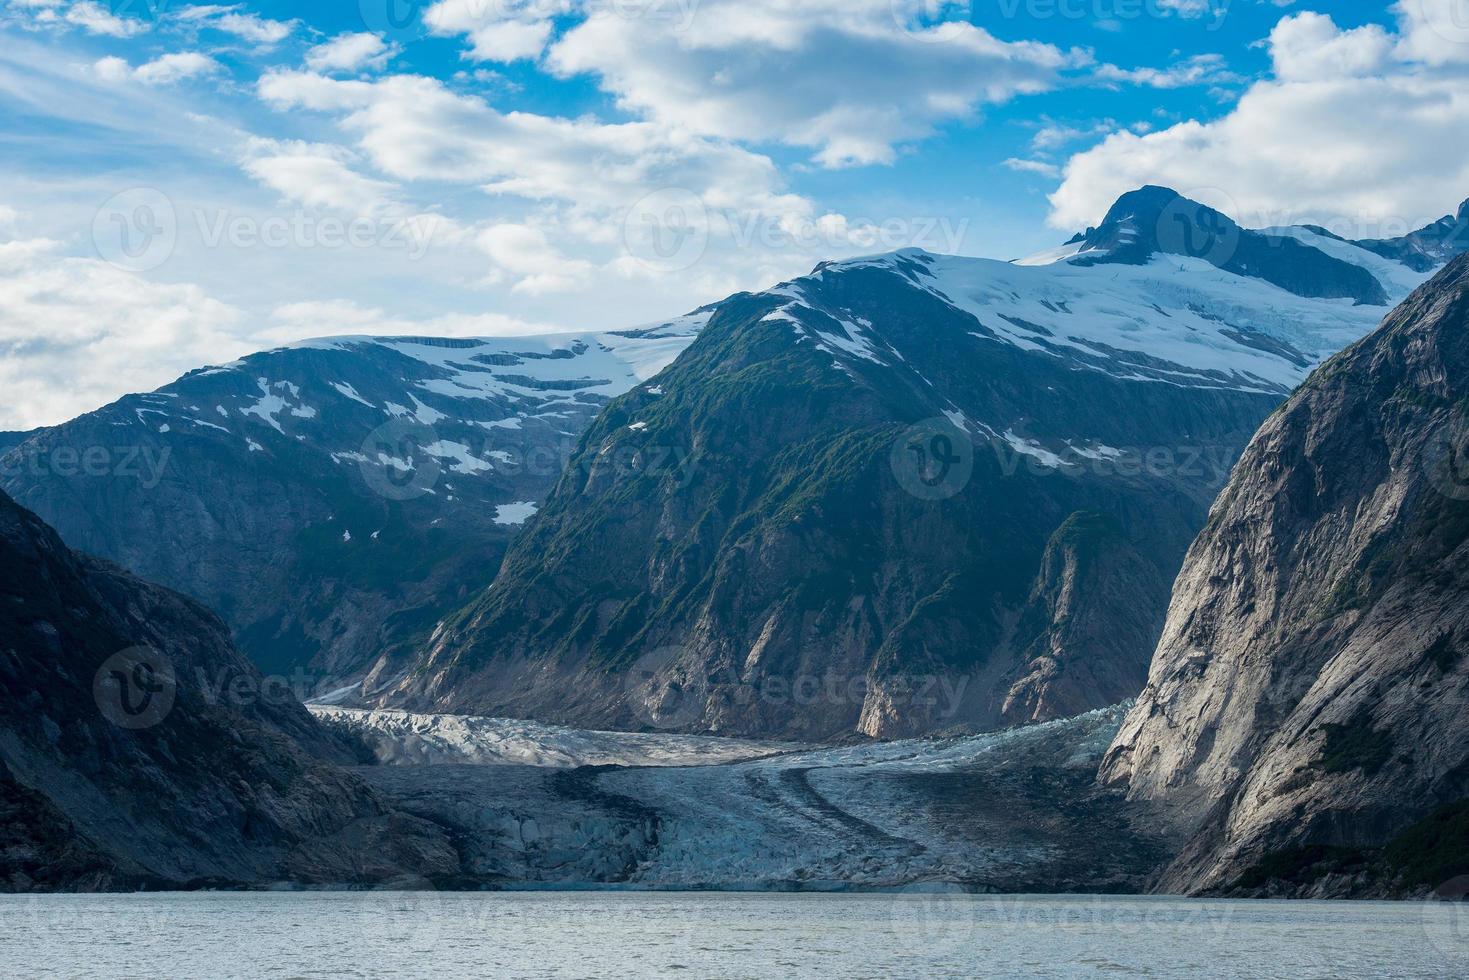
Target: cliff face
1305	716
139	749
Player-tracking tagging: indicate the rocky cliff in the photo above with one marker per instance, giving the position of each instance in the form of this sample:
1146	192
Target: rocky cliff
138	749
1304	720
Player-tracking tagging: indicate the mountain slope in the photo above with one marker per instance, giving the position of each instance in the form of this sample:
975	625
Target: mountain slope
913	492
138	749
332	499
1305	715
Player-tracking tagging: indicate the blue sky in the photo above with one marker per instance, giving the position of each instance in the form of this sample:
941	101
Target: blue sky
184	183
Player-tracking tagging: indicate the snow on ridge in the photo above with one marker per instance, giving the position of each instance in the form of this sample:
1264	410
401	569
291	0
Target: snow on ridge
516	514
1174	320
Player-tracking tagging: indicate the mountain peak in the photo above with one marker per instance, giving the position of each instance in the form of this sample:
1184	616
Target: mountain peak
1148	199
1155	220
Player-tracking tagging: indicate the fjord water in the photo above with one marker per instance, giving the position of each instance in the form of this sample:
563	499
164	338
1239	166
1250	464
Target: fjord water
721	935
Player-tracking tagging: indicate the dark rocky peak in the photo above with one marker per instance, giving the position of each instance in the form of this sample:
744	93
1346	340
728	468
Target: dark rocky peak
1156	220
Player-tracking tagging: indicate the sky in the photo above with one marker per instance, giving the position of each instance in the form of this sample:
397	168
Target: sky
182	184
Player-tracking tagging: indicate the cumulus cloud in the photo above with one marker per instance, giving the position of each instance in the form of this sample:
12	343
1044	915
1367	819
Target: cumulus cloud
164	70
1364	129
316	175
849	79
78	332
525	254
846	78
250	27
351	52
414	128
506	31
97	19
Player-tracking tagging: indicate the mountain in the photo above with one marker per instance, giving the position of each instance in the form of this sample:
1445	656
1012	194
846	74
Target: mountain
334	499
138	749
1430	247
1155	221
1303	726
919	491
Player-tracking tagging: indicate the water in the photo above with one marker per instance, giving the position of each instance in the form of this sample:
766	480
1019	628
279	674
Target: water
637	935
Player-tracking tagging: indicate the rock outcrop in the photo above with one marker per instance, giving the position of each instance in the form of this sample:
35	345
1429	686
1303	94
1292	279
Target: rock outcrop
138	749
1304	724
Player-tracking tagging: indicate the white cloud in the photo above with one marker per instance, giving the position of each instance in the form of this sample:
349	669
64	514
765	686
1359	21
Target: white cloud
414	128
1435	32
1308	47
164	70
250	27
1040	167
849	79
525	253
1201	69
502	31
316	175
78	332
351	52
1357	129
97	19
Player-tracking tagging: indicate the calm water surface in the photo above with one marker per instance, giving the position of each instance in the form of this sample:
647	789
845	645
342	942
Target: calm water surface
720	935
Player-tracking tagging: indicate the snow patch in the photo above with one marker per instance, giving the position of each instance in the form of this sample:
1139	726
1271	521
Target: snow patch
515	514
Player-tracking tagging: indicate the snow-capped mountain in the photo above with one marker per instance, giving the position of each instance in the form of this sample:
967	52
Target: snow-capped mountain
338	499
333	498
933	490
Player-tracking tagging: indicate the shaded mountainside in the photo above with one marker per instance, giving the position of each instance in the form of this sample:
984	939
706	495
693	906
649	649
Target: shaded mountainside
1306	713
900	494
138	749
334	499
